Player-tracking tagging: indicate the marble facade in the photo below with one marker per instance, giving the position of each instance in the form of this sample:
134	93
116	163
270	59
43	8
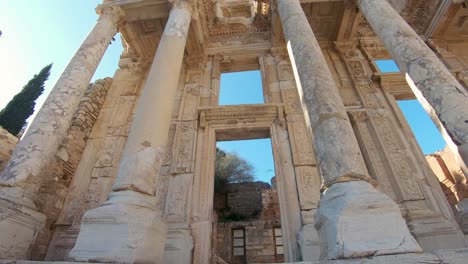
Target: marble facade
129	161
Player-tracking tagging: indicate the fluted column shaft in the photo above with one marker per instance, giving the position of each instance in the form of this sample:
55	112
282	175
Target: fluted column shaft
350	204
443	97
50	126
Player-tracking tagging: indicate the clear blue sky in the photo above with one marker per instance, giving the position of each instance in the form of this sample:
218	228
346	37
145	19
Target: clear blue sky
427	134
38	32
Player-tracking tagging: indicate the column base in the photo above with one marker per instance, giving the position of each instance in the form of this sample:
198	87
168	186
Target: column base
463	154
433	231
462	217
179	245
309	243
126	229
355	220
19	226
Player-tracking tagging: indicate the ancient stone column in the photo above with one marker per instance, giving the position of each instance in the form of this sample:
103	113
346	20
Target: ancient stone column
443	97
127	228
351	213
21	180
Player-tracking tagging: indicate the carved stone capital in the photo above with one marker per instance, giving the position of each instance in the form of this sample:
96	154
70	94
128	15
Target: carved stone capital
463	76
184	4
346	48
112	12
218	57
279	53
358	116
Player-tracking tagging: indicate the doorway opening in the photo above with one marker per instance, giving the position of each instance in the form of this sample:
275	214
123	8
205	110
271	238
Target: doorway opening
246	204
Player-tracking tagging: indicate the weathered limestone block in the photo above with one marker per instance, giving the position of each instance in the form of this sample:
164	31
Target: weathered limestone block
309	242
346	230
129	213
20	225
179	246
138	172
7	145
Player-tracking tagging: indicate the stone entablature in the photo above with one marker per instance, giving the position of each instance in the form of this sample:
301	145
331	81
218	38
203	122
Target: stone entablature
144	181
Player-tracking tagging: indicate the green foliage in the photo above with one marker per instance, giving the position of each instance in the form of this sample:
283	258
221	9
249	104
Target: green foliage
230	168
13	116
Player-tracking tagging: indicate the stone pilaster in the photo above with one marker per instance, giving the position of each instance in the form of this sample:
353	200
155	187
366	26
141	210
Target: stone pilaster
20	219
443	97
350	207
127	228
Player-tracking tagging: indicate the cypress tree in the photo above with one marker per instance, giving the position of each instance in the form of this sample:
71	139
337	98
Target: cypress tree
13	116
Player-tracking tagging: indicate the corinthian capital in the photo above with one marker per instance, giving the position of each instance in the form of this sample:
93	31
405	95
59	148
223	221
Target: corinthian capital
112	12
189	4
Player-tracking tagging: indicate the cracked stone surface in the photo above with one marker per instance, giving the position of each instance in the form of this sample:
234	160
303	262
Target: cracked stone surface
354	220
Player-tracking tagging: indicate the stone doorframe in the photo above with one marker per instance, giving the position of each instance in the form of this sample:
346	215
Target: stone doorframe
239	122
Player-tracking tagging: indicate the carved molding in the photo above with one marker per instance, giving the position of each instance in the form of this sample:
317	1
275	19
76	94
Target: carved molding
114	12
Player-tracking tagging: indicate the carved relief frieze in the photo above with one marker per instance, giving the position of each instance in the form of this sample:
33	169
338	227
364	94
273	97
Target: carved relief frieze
190	96
183	149
176	210
463	77
402	167
364	29
228	22
362	81
239	114
308	183
374	48
110	152
300	139
162	187
291	101
285	72
419	13
167	159
373	157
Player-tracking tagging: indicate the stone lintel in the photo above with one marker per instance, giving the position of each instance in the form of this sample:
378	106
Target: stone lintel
395	84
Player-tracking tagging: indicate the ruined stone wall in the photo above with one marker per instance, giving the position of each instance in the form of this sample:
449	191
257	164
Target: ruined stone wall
7	145
270	205
245	199
251	200
260	204
259	242
453	182
449	174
